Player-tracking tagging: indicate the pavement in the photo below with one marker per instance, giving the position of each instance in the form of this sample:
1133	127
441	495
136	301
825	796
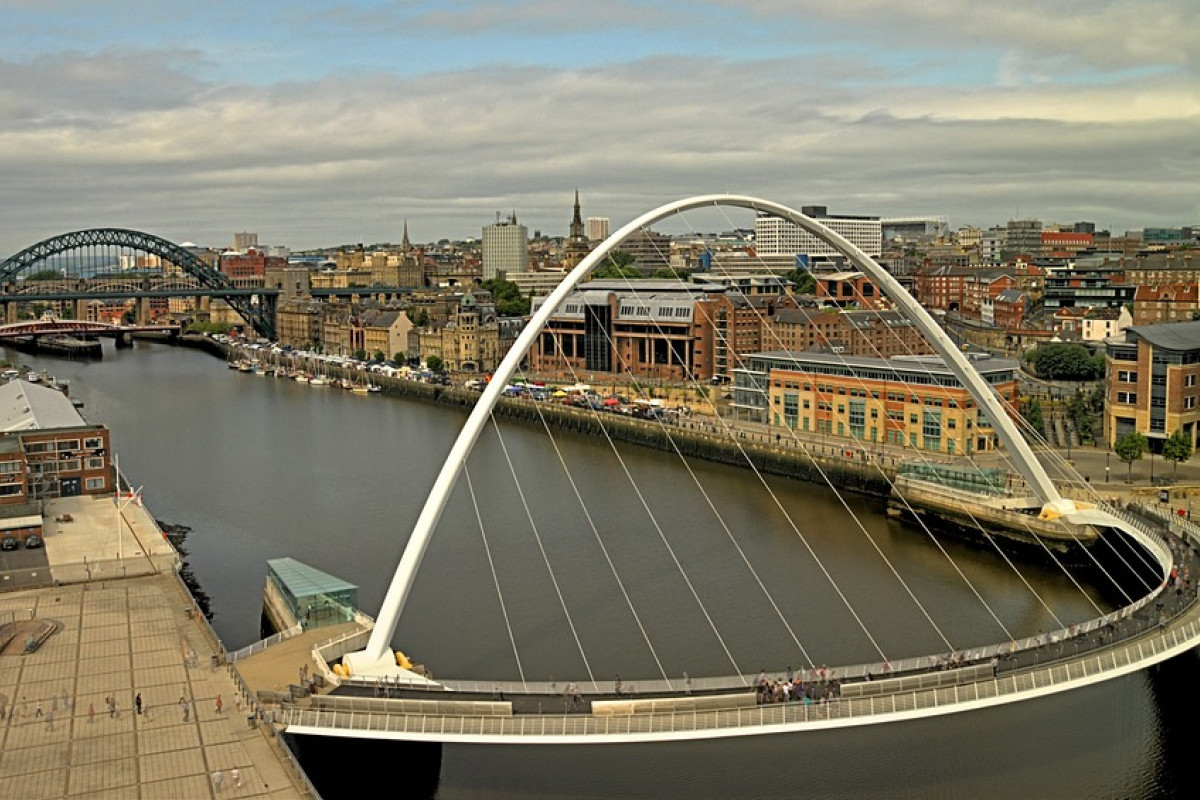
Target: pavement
128	630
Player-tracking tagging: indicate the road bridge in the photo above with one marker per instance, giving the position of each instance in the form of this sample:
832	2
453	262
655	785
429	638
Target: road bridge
116	263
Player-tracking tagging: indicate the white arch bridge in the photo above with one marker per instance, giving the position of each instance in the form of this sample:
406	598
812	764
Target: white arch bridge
378	698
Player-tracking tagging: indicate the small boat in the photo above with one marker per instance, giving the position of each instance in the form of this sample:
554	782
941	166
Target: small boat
318	380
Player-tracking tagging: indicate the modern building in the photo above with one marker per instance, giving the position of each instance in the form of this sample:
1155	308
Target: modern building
1153	383
245	240
1022	237
774	236
597	228
913	402
505	247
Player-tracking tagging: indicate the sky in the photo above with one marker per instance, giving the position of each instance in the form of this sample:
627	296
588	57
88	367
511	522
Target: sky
321	123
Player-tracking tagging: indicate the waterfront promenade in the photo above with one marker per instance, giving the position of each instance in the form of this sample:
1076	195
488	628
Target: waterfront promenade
123	637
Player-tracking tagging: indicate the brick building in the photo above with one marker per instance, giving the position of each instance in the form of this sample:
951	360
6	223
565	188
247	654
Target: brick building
1153	382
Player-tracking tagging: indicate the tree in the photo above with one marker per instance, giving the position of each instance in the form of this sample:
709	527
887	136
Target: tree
1130	448
435	363
1176	447
360	354
619	265
1065	362
805	282
1032	412
508	298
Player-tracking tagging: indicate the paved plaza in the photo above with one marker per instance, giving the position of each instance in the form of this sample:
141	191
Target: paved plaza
120	637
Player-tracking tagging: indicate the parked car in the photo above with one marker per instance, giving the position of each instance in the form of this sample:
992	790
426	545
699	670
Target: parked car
33	541
9	543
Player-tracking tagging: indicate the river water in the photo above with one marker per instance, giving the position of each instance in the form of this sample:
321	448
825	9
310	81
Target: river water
264	468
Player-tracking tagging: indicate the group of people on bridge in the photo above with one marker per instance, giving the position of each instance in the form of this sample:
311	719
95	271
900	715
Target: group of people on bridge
794	689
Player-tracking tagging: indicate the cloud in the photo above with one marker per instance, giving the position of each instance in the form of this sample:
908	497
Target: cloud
137	139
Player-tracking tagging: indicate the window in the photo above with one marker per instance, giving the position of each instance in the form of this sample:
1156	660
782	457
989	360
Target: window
93	463
9	467
93	443
94	484
1127	398
1126	376
1190	380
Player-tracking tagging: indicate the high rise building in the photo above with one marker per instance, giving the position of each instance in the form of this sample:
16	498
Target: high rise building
597	228
505	247
244	241
776	236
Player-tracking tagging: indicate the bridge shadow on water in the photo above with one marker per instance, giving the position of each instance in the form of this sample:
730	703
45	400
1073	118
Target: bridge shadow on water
341	767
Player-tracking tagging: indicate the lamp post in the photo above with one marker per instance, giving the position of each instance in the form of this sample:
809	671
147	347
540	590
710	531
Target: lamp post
1106	457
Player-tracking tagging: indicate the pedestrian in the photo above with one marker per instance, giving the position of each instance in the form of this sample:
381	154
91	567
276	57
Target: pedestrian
38	711
137	701
219	704
218	780
236	775
91	712
183	704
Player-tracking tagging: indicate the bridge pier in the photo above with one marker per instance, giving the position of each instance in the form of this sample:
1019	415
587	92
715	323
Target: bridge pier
123	340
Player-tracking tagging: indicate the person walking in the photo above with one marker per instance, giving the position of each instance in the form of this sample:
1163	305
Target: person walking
219	704
137	701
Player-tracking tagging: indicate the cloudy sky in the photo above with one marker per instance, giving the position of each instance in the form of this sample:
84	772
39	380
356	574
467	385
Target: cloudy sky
320	123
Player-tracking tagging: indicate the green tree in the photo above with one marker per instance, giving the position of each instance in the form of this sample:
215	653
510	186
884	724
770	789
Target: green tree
1176	448
1130	448
360	354
803	279
45	275
1032	412
435	363
379	356
507	295
619	265
1066	362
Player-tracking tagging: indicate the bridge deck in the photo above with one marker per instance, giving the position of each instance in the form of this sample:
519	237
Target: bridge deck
1014	680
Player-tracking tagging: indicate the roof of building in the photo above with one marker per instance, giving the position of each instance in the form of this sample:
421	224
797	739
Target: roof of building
28	406
1167	293
1011	296
1183	336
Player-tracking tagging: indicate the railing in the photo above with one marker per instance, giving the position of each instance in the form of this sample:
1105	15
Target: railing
1033	681
263	644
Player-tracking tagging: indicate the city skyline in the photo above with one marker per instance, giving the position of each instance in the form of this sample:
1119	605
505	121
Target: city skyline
338	122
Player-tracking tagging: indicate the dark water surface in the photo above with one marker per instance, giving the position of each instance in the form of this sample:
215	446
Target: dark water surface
263	468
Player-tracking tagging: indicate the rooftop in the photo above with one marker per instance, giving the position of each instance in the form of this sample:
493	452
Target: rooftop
27	406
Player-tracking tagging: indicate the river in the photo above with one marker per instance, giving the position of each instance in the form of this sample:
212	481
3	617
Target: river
263	468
